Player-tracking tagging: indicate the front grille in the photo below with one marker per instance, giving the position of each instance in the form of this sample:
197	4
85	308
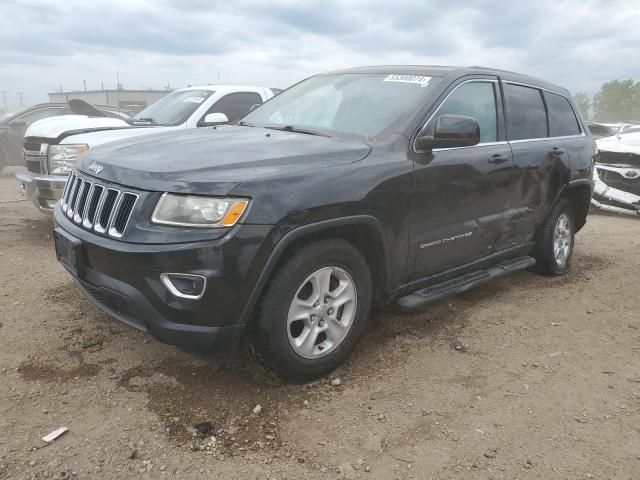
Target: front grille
103	209
35	156
32	146
618	181
33	165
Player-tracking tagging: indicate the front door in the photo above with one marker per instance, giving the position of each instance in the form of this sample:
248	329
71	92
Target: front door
461	206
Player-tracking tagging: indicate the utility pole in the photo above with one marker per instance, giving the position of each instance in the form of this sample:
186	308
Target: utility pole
4	100
85	85
118	88
21	98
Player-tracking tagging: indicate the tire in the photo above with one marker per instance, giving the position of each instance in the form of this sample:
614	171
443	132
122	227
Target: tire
294	308
554	242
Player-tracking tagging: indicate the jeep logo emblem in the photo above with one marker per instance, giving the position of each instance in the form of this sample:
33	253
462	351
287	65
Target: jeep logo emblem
96	168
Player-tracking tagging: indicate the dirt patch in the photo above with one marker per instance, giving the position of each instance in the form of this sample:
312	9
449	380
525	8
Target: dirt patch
525	377
43	371
243	404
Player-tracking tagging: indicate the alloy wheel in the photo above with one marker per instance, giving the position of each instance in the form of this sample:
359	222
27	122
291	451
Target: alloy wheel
322	312
562	239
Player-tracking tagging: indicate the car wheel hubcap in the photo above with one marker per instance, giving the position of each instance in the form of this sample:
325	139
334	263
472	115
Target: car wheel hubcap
322	312
562	240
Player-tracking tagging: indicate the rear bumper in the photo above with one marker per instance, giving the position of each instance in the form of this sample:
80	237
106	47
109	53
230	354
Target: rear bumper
42	190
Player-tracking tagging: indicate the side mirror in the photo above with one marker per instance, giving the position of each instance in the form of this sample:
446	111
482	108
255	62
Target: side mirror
450	131
216	118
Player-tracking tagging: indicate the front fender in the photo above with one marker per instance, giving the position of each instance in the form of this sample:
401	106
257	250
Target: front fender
313	229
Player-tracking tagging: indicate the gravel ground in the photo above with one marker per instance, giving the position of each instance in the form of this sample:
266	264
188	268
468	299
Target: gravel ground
526	377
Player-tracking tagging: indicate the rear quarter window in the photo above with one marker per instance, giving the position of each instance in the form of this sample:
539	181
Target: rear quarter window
562	119
526	114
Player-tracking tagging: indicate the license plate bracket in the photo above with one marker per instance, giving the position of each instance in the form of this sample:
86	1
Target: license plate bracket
69	252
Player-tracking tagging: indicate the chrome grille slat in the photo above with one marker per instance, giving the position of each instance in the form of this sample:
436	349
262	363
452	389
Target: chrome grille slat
65	193
102	208
92	205
74	197
102	220
123	214
82	202
87	202
116	206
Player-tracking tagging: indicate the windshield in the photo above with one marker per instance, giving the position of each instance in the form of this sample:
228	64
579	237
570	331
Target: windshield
363	104
174	108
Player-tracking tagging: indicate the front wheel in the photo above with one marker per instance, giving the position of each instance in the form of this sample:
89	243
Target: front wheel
313	311
555	240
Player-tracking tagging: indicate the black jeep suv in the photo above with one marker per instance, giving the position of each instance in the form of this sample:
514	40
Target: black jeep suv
349	190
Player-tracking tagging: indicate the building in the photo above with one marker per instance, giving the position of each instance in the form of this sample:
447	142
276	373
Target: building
130	101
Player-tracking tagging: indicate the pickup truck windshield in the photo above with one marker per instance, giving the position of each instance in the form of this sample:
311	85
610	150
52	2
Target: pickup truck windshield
363	104
172	109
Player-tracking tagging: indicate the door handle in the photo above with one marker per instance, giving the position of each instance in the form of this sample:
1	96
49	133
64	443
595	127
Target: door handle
497	159
556	152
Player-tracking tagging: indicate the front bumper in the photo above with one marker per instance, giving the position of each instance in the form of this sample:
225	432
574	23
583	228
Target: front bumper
42	190
124	280
621	196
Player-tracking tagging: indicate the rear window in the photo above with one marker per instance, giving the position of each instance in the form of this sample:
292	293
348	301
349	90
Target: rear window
562	119
526	115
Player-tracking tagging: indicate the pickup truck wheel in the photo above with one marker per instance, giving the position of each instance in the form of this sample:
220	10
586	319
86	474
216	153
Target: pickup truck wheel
313	311
554	244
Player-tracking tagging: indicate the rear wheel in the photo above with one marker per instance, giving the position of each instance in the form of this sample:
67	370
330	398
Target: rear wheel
555	240
313	311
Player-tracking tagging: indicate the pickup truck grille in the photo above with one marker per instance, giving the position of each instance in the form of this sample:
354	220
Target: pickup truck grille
103	209
35	161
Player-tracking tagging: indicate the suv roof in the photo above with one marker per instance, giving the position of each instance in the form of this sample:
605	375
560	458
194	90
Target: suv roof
442	71
216	87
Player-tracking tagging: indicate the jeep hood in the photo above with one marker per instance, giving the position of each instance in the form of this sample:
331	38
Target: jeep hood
53	127
100	136
214	160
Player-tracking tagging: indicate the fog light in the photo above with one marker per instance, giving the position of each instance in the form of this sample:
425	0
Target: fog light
185	285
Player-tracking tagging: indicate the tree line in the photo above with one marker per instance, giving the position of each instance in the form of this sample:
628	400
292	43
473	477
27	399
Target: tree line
616	101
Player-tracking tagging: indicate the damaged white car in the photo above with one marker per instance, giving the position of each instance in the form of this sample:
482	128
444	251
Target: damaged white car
617	173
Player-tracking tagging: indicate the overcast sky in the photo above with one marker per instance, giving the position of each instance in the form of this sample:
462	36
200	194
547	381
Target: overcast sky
48	44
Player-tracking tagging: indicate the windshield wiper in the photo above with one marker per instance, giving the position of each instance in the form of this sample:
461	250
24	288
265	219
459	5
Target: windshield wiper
291	128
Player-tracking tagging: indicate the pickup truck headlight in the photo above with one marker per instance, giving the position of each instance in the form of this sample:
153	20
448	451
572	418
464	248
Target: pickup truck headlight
196	211
62	158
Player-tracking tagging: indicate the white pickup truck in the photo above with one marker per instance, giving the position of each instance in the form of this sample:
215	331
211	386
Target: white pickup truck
52	145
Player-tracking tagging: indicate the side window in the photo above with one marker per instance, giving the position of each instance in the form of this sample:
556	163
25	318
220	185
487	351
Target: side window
562	119
235	105
526	114
30	117
477	100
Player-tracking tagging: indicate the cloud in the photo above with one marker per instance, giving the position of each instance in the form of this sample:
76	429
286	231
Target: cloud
45	44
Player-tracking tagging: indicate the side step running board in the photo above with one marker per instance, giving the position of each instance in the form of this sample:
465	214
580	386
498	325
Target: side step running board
462	283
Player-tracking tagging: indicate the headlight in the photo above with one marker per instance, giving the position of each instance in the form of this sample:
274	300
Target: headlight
62	158
196	211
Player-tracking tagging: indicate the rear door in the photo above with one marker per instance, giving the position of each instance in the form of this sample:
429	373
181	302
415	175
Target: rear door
567	131
541	162
461	201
